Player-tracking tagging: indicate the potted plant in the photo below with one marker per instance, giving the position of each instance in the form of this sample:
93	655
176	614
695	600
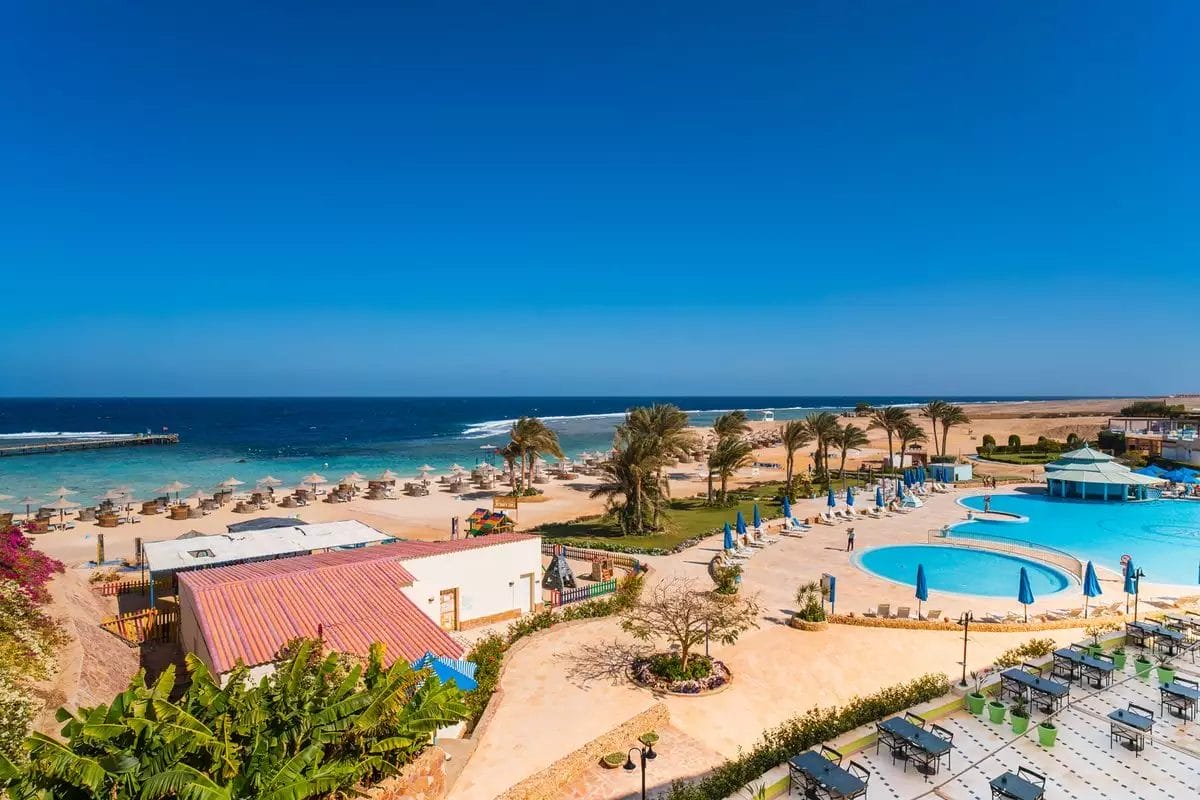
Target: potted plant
1047	733
1118	657
649	738
996	711
1142	665
1019	715
612	760
1095	631
975	699
1166	672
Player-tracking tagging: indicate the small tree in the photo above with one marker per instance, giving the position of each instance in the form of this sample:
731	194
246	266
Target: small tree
810	599
682	616
989	440
1014	443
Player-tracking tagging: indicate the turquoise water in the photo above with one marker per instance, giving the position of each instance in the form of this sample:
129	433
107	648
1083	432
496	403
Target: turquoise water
961	570
1162	536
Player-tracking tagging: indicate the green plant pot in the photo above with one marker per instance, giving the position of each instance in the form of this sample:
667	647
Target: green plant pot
1165	674
996	711
1094	650
1047	736
975	703
1142	667
1119	661
1019	724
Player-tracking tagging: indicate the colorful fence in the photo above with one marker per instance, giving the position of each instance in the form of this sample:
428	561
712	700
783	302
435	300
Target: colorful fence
147	625
568	596
116	588
584	554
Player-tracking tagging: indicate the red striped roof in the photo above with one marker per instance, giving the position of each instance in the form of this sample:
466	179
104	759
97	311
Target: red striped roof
354	605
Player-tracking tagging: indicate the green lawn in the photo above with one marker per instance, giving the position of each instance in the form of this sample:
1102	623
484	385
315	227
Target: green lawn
687	518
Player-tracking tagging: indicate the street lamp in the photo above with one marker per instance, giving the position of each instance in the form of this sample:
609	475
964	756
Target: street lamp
1137	588
965	620
647	754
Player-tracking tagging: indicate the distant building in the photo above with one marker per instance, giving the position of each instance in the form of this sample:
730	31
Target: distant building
1172	438
406	594
1088	474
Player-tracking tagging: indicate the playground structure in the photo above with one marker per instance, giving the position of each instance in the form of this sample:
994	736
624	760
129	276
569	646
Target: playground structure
559	576
482	522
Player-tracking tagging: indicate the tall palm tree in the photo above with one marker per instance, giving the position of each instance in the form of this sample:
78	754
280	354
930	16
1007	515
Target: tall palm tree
665	430
849	438
531	437
823	428
933	411
888	418
731	423
909	432
795	435
730	455
632	492
953	415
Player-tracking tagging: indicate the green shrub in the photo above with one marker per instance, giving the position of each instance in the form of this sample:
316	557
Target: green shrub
1034	648
1014	441
989	440
809	601
800	733
669	667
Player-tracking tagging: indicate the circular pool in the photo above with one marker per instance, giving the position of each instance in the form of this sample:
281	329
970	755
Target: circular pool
961	570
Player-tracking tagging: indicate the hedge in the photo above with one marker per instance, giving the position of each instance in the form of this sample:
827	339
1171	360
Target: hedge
808	730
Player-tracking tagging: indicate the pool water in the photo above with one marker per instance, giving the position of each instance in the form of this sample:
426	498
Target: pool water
961	570
1162	536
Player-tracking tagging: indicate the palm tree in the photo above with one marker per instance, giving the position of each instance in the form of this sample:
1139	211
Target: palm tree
888	418
632	492
795	435
823	428
933	411
849	438
531	437
730	455
665	430
953	415
732	423
909	432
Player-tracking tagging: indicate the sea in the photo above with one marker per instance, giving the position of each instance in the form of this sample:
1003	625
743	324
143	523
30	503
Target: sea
248	438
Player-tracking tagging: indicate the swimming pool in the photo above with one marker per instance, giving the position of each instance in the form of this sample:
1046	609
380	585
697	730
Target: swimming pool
961	570
1162	536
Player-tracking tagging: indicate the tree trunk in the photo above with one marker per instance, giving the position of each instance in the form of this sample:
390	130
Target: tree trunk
945	435
842	469
791	459
710	494
890	451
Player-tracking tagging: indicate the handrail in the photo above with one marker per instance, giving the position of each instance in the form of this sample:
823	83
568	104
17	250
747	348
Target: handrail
1004	544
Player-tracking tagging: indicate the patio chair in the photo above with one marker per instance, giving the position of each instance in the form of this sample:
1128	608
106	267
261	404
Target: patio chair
1180	705
1033	777
915	719
948	735
902	612
863	774
883	609
934	616
895	744
833	755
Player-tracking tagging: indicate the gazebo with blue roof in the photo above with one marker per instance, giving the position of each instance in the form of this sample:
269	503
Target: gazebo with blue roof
1088	474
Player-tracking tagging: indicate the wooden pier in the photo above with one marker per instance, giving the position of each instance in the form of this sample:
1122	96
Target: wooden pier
90	444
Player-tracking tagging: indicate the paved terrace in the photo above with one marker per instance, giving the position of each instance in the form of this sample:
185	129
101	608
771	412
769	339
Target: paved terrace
563	687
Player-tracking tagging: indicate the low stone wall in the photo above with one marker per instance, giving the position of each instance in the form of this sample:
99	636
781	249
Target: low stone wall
423	779
976	626
553	781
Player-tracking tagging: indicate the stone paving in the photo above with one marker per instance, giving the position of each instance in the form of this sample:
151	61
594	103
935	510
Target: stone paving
687	758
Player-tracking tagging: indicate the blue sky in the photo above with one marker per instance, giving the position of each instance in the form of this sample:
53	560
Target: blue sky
616	198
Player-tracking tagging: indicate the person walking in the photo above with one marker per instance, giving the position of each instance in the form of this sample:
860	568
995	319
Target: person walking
849	540
987	503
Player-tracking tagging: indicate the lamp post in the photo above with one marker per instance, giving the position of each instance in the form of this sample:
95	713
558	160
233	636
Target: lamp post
646	752
1137	589
965	620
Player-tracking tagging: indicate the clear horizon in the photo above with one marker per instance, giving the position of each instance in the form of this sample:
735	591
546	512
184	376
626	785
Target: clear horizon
676	199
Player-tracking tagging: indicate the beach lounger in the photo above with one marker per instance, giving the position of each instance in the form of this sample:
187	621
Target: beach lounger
884	610
934	616
902	612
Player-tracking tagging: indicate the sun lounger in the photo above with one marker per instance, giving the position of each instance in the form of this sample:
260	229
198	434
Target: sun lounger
902	612
934	616
884	610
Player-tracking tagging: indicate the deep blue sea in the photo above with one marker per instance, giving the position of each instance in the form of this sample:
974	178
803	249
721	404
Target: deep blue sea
290	437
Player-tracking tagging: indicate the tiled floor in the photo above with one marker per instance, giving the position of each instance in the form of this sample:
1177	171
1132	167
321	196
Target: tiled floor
1080	766
687	757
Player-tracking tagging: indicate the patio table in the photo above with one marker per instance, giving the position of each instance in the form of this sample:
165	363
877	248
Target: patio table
834	779
1013	786
1189	697
1099	670
1136	727
1016	682
916	737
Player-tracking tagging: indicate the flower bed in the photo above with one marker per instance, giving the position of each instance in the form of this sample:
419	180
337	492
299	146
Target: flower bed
644	674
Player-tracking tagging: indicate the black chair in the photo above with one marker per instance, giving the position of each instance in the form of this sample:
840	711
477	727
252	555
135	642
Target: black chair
863	774
1033	777
1119	733
1182	706
942	733
1135	635
831	754
894	743
915	719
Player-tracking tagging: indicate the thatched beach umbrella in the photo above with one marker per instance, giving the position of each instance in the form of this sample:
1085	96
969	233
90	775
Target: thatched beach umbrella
28	502
425	468
388	475
456	468
61	505
269	480
197	495
173	486
111	495
231	482
61	491
314	479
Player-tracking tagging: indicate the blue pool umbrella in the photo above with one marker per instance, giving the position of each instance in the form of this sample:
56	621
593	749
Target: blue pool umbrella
879	496
1025	592
449	669
1129	569
787	508
850	496
741	524
757	517
921	472
831	501
728	537
1091	586
922	592
899	490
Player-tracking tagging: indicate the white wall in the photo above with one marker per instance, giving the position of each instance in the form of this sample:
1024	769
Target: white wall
482	577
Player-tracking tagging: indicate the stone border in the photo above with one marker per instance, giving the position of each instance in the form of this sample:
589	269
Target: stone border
976	625
669	693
